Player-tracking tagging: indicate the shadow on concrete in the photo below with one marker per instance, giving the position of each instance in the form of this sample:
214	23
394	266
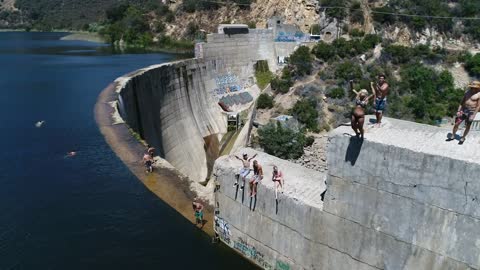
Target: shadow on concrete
276	206
243	193
456	137
254	200
353	150
236	192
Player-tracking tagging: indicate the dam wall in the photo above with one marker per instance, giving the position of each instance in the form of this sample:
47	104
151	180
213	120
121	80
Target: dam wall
175	106
171	107
402	198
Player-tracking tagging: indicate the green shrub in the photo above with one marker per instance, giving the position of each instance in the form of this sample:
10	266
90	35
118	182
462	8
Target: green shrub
356	13
338	13
399	54
305	111
263	74
323	51
472	64
336	93
309	141
348	71
281	142
280	85
265	101
301	60
357	33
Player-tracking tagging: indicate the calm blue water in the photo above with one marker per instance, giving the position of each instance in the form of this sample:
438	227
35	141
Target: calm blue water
86	212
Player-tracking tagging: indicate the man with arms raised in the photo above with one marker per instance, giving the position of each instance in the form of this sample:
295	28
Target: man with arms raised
381	91
467	111
245	170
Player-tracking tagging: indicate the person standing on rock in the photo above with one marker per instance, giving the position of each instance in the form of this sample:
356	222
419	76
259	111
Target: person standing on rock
257	177
245	170
467	111
358	114
277	178
381	92
198	211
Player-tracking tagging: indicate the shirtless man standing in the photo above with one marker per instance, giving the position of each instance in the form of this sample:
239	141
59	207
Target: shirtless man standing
245	170
381	92
257	177
467	111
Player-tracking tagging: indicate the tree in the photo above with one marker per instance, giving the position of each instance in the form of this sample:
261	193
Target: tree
323	51
281	142
339	13
472	64
301	60
305	111
348	71
265	101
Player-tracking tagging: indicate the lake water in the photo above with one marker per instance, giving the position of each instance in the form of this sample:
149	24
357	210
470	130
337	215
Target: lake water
89	211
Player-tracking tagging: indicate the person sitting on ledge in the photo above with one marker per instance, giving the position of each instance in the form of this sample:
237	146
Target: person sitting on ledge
467	111
245	170
277	178
257	177
381	91
358	114
150	151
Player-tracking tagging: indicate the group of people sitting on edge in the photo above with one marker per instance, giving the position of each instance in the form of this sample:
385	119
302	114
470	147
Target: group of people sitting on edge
379	95
148	159
277	175
467	110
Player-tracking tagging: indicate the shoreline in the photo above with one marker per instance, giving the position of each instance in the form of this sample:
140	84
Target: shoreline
164	182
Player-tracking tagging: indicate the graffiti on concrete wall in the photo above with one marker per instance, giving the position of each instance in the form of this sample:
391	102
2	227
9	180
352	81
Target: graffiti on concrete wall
251	252
227	83
282	265
237	99
291	37
223	229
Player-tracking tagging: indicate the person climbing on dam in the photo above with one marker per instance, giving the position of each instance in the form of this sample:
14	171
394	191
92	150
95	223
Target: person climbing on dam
467	110
245	170
358	114
148	162
198	211
257	177
381	92
277	178
150	151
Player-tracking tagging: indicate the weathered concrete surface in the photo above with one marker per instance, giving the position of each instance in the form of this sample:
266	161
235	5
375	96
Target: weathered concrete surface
403	198
406	182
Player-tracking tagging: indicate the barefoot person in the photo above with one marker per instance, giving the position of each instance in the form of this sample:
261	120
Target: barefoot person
257	177
277	178
467	111
358	114
198	211
245	170
381	92
150	151
148	162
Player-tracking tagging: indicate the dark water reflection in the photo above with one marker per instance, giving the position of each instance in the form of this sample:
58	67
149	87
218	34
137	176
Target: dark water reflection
86	212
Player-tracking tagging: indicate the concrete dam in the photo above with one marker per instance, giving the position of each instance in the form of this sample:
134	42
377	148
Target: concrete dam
402	198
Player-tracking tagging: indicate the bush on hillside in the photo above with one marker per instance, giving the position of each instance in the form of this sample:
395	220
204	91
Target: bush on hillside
348	70
305	111
323	51
265	101
336	93
472	64
301	60
281	142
